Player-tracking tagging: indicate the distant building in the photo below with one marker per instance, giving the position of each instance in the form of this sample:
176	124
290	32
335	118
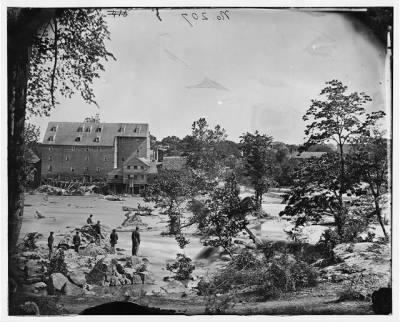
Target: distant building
306	155
91	150
174	163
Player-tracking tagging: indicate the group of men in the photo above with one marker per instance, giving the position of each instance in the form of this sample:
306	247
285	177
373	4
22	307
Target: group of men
76	240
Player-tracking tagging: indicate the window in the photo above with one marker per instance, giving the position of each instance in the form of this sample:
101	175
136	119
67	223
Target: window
128	167
86	149
105	158
135	167
121	129
116	176
80	129
49	168
50	148
86	169
142	167
50	158
78	139
86	158
53	129
142	176
51	138
135	130
67	158
96	139
135	177
88	129
98	130
99	148
129	176
72	169
97	169
73	148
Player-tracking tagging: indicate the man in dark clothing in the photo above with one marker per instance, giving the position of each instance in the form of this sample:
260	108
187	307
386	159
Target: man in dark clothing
113	240
50	242
76	241
89	221
97	229
135	241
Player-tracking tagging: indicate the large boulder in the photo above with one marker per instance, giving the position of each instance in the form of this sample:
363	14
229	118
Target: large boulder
56	283
78	278
72	289
365	267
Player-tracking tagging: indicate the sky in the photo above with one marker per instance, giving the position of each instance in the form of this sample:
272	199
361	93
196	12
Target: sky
257	70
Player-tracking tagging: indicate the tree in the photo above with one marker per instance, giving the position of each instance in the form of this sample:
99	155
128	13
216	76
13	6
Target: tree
369	162
257	156
170	191
226	215
49	51
203	153
338	118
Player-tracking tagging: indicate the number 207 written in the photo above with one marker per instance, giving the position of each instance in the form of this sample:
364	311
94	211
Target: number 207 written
192	17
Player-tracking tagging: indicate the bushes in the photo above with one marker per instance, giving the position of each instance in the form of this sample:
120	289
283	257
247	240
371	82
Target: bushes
182	267
267	278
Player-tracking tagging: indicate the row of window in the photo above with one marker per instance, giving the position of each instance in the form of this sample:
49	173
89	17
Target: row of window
135	167
50	158
97	130
73	148
50	169
88	129
134	177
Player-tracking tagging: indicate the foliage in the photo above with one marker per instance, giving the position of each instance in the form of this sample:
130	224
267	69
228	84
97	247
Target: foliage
202	147
57	263
226	218
268	278
170	191
182	241
321	183
67	55
369	163
182	267
257	156
327	242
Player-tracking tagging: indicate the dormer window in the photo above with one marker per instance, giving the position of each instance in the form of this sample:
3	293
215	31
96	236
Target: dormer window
51	138
78	139
88	129
53	129
98	130
96	139
80	129
136	130
121	129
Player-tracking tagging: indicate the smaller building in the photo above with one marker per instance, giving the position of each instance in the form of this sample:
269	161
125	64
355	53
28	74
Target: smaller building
133	176
174	163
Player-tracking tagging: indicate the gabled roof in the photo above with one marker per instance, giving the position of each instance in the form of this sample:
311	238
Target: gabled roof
306	155
174	163
66	132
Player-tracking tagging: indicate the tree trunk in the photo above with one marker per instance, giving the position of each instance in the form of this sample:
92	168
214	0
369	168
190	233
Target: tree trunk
379	215
17	80
22	25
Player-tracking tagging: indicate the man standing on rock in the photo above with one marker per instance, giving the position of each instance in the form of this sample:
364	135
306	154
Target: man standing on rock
97	229
89	221
113	240
50	242
135	241
76	241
